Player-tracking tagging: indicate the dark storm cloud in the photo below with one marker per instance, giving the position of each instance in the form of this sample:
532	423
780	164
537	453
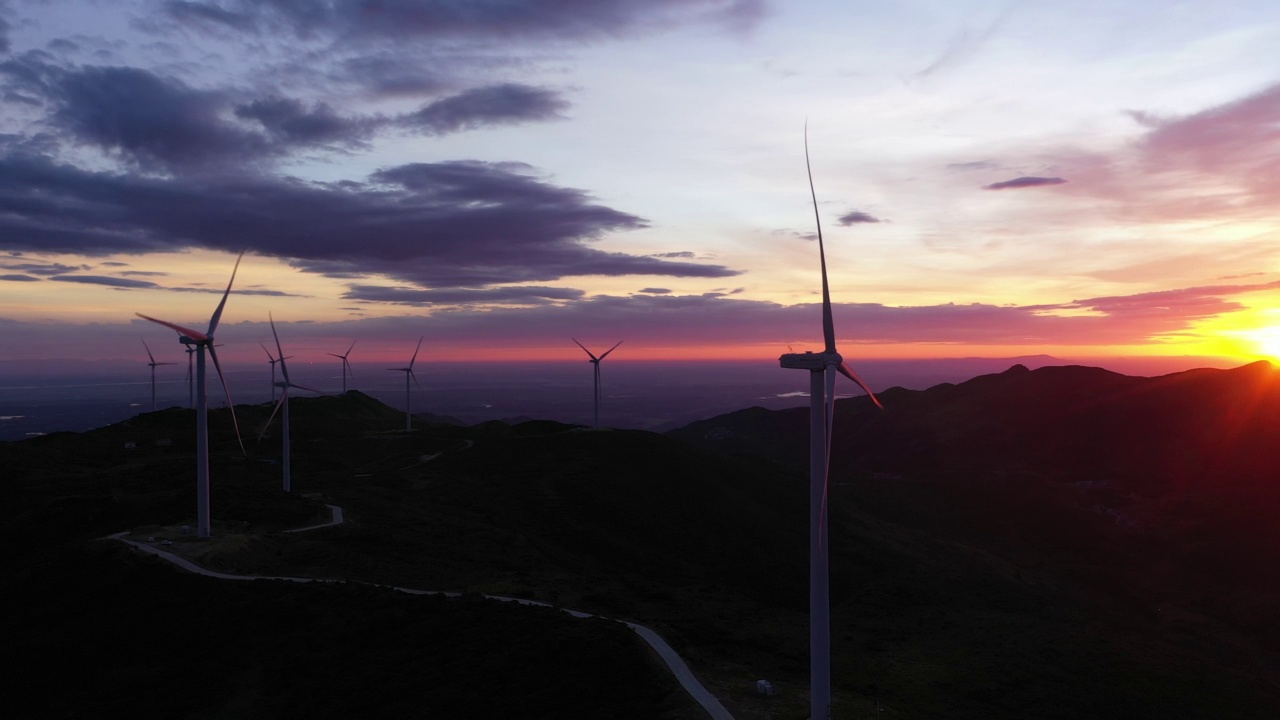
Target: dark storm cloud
142	118
854	217
440	225
361	20
517	295
154	122
1024	182
19	278
103	280
4	35
498	104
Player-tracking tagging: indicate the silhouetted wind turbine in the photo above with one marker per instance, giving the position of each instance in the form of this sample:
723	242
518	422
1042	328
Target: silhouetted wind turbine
201	341
273	362
408	373
153	365
346	365
596	362
284	402
822	369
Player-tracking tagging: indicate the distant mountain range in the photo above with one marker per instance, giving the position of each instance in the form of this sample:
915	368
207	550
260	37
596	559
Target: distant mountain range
1058	542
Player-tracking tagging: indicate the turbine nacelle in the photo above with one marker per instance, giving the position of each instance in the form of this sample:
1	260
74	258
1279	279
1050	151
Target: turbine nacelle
811	360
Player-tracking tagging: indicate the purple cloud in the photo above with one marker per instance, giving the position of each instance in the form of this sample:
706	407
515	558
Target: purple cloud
124	283
514	295
1025	181
462	224
19	278
356	20
494	105
655	291
854	217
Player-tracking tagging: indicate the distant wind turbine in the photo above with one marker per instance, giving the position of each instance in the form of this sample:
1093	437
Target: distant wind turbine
346	365
822	369
153	365
408	373
284	385
273	360
596	362
202	341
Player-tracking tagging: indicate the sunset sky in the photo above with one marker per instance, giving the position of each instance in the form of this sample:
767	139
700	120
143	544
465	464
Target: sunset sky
1082	179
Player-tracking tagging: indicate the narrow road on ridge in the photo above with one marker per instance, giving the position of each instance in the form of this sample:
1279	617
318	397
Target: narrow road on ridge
670	657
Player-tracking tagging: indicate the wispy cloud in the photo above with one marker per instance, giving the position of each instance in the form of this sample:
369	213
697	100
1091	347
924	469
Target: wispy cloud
1024	182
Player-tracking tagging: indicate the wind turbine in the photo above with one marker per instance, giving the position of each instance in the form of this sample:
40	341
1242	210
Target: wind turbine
346	365
273	362
596	361
201	341
153	365
822	369
408	373
284	402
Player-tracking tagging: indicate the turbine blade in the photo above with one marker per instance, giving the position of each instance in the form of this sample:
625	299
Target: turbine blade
849	373
230	405
270	359
606	352
348	352
828	326
217	314
271	417
829	399
334	355
185	332
584	348
350	369
304	387
415	353
149	355
415	381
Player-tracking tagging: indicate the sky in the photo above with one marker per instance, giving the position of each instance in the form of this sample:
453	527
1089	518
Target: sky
1081	179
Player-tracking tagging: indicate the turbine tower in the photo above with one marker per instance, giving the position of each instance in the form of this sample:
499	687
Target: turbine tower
596	362
822	369
271	359
191	385
198	342
408	373
346	366
284	385
153	365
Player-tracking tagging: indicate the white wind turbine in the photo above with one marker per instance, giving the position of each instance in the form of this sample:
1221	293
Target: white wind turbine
822	369
284	385
201	341
596	362
153	365
273	360
346	365
408	373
